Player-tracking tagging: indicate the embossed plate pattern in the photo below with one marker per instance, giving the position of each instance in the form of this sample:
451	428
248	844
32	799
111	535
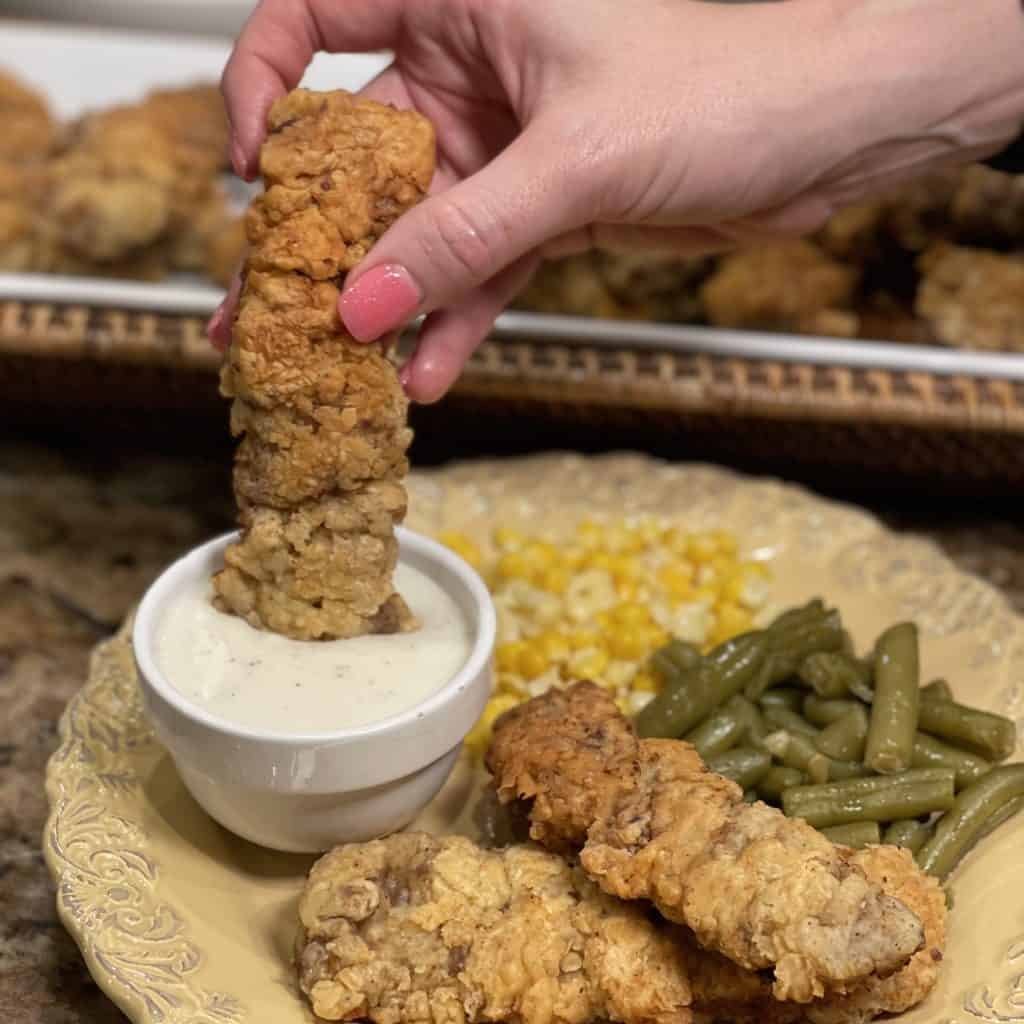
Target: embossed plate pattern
181	923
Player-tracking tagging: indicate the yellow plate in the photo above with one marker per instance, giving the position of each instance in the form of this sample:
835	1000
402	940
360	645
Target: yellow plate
181	923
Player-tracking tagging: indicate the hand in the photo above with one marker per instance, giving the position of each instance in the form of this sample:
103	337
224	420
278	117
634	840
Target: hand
664	124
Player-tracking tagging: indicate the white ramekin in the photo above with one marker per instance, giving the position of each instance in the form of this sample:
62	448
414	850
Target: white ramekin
306	792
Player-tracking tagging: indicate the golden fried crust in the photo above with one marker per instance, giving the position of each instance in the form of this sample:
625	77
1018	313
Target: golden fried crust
973	298
29	132
415	929
339	171
764	890
223	251
788	286
724	992
323	419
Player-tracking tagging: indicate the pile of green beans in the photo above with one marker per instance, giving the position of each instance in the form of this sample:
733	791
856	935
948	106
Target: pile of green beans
854	745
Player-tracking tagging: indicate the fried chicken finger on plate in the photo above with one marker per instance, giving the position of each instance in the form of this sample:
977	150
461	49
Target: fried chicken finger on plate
651	822
414	928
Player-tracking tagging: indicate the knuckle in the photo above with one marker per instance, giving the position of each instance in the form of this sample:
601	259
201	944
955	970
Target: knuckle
463	239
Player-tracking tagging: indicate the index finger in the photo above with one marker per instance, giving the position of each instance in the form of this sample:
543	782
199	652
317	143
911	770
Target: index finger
275	47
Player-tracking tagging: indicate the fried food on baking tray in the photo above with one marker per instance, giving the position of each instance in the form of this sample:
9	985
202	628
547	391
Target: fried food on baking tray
319	471
651	822
415	928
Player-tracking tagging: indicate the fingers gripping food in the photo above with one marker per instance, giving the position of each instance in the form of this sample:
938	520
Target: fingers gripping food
653	823
415	929
323	419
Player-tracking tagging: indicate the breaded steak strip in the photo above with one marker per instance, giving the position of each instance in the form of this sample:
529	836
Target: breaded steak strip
764	890
724	993
419	929
323	419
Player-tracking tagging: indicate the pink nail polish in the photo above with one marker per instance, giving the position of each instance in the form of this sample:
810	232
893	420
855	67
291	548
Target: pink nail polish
382	300
215	326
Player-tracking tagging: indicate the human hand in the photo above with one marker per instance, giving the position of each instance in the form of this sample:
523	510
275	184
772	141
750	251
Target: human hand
664	124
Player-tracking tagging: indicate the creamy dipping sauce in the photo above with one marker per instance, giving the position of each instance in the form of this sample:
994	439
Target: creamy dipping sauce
269	682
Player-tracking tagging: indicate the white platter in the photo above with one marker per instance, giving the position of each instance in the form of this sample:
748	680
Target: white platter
220	17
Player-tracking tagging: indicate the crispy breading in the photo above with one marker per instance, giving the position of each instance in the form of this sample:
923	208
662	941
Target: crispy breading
726	994
973	298
323	419
224	249
29	131
767	891
338	171
415	929
784	286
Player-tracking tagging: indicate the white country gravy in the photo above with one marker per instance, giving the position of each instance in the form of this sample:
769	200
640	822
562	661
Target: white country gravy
269	682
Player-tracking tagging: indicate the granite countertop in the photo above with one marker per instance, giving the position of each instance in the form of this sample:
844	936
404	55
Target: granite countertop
78	544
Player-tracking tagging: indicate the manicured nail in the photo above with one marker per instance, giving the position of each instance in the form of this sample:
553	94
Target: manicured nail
383	299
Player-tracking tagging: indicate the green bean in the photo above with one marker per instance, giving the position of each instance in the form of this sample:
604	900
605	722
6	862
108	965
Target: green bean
798	751
981	807
789	647
750	796
910	833
844	739
857	834
937	689
832	673
793	617
981	732
675	657
878	783
758	729
783	718
722	729
933	753
824	712
777	779
840	770
744	765
890	741
788	697
693	695
899	799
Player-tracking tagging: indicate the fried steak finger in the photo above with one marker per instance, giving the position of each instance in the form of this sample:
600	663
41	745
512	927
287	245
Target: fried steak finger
651	822
415	929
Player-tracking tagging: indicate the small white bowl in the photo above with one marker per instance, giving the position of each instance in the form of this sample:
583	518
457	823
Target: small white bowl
305	793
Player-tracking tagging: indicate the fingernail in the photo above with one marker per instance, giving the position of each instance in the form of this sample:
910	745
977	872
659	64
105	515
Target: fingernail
382	300
405	376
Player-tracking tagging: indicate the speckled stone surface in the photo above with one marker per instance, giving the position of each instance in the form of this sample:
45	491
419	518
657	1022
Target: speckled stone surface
78	544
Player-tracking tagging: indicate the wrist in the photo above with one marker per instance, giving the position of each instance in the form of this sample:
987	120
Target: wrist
927	81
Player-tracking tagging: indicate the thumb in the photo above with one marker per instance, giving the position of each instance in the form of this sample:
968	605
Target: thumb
438	252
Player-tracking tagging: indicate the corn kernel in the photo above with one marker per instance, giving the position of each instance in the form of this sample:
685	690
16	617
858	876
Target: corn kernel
463	546
588	663
590	534
702	547
573	556
677	579
629	613
730	620
514	566
599	560
724	541
581	639
628	645
627	590
554	579
554	645
540	553
646	682
506	656
508	539
532	662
